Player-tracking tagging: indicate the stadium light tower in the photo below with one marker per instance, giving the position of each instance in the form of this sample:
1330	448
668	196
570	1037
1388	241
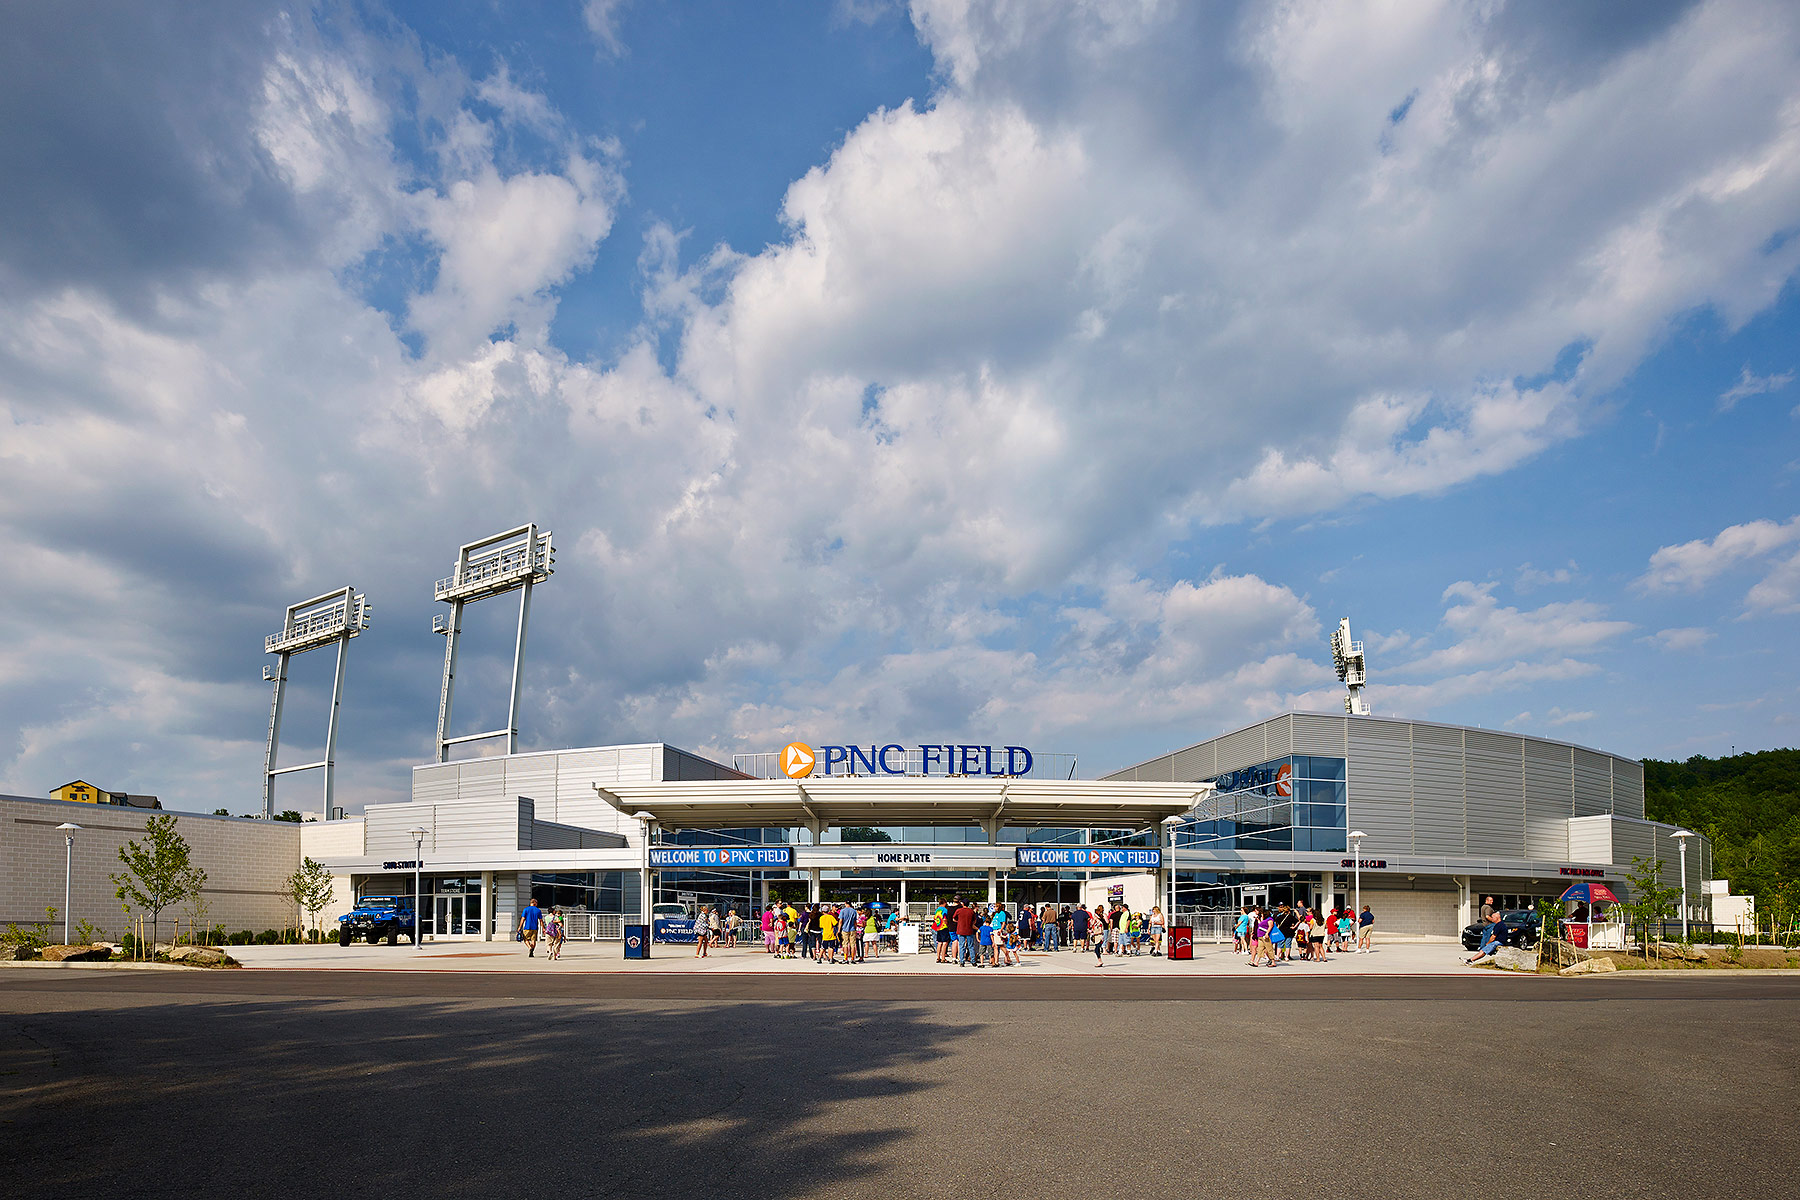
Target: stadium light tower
334	617
1352	671
516	559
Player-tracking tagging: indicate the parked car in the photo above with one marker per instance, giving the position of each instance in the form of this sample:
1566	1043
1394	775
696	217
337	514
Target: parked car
1517	928
377	917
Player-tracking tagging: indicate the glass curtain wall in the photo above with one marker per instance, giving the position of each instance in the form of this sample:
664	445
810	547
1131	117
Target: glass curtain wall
1294	803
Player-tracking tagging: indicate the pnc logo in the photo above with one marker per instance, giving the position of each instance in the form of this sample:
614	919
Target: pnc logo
797	760
1284	780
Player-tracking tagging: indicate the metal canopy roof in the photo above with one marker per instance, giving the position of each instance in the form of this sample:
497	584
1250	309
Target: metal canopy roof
903	800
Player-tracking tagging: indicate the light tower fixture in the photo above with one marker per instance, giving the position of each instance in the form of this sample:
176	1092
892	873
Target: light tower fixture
1352	670
334	617
517	559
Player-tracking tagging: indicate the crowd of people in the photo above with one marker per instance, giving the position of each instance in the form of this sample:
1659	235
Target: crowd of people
1286	932
830	932
990	935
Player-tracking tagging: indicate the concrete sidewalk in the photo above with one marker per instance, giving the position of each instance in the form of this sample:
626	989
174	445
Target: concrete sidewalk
1440	958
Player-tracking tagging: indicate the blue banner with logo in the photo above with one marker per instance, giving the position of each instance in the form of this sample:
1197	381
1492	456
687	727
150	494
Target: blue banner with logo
1092	858
716	858
673	929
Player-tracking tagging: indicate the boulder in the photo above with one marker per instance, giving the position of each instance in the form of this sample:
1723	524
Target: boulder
199	956
16	952
1589	966
77	953
1511	958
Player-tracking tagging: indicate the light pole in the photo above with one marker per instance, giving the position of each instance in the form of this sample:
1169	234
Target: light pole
68	829
644	819
418	835
1356	837
1681	837
1171	824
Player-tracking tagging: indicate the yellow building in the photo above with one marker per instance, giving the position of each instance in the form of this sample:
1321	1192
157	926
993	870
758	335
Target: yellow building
81	792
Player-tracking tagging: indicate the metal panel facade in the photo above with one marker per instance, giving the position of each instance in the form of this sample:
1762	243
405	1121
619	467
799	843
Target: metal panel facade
1245	748
1628	787
1593	783
1314	734
1439	809
1194	764
1380	770
1494	781
1549	798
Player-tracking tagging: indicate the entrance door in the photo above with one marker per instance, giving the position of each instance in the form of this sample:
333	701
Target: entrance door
449	916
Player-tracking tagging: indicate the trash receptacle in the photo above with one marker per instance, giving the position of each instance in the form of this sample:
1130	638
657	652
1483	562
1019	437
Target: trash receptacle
637	941
1181	941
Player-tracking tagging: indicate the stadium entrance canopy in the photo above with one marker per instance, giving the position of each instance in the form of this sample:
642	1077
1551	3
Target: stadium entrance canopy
820	804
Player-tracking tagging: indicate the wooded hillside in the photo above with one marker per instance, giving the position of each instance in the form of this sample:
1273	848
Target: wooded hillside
1748	804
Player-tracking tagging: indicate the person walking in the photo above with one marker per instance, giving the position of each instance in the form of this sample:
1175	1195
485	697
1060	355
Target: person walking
828	935
1263	934
768	928
554	932
1158	927
1078	928
700	938
529	922
1240	933
963	920
1365	930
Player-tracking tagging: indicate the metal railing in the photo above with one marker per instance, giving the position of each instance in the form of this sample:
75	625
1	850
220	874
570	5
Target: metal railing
595	927
1209	925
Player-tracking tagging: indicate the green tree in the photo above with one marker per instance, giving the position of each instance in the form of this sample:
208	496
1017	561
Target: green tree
220	812
862	833
194	900
310	888
288	814
1651	902
158	873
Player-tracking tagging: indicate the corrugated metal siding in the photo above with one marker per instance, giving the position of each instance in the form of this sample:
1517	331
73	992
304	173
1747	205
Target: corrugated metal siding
1549	799
1245	748
1590	839
638	764
1631	839
1628	787
1157	770
1278	738
534	777
1593	783
1320	735
1495	785
436	783
1438	803
1380	770
1194	764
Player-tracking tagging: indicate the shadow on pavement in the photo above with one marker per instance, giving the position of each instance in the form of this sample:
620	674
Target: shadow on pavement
399	1099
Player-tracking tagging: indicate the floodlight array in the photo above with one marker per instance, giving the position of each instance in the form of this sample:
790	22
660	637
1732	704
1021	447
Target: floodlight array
527	558
308	627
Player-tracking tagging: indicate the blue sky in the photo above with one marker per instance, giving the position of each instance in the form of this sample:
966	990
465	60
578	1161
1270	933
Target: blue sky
930	372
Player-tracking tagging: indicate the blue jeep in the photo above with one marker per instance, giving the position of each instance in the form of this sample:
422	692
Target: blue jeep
378	917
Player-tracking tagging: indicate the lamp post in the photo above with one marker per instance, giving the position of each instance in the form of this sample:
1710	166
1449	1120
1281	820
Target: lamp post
1356	837
68	829
1171	824
1681	837
418	835
644	819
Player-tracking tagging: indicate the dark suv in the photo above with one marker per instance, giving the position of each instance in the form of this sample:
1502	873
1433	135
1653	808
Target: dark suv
1517	928
377	917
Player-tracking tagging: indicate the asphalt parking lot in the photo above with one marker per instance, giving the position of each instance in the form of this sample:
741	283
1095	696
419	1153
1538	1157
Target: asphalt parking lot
354	1084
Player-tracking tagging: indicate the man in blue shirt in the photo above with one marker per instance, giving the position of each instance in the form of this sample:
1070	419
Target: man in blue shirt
529	920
